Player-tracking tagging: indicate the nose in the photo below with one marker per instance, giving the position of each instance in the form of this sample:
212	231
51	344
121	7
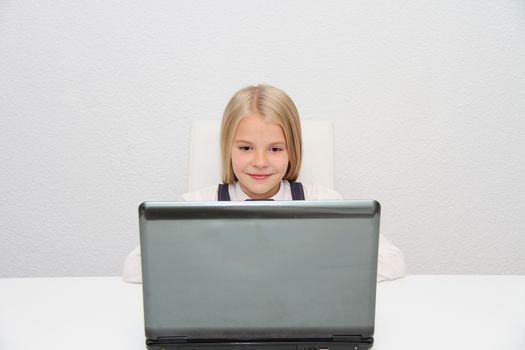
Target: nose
260	159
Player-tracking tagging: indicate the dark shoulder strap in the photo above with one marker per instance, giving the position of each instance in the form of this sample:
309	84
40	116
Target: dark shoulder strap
297	191
222	193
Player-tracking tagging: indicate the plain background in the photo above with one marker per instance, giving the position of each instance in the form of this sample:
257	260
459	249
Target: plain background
97	99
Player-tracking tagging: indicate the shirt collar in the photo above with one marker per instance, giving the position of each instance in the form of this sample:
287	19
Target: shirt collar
239	195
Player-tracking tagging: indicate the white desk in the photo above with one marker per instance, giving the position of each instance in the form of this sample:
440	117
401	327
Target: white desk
417	312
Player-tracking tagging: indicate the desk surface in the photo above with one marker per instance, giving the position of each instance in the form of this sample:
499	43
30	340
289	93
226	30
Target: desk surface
416	312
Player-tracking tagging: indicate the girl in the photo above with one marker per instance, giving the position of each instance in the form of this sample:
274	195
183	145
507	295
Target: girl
261	151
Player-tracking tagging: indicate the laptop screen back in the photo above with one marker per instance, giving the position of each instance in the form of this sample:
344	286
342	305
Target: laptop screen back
251	270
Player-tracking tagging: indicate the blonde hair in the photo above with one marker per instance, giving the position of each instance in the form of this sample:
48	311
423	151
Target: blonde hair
271	104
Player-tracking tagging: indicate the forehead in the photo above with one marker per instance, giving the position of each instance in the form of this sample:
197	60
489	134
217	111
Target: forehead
256	127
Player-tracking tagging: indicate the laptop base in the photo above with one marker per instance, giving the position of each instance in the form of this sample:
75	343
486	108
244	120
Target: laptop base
307	345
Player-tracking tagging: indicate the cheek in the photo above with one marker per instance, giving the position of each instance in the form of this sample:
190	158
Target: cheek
237	159
283	162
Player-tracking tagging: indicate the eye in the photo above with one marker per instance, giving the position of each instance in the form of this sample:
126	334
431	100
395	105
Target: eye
244	148
276	149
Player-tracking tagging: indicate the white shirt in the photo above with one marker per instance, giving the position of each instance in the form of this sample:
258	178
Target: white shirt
391	263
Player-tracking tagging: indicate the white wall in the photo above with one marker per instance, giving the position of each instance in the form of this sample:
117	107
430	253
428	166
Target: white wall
97	97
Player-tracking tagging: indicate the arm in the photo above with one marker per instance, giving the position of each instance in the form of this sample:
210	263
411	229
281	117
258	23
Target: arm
391	263
132	267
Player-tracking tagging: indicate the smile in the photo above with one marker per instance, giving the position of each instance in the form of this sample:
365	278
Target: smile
259	176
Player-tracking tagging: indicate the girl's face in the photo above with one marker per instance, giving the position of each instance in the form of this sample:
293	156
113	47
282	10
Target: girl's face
259	156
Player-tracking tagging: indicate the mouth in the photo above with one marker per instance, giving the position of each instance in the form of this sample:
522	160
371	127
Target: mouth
259	176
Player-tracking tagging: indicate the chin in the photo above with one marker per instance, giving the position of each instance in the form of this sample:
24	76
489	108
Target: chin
262	191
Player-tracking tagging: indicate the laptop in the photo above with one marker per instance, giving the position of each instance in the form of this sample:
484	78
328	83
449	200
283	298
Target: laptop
261	275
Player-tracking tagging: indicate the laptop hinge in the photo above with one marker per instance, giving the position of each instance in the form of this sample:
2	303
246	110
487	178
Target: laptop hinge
172	340
352	339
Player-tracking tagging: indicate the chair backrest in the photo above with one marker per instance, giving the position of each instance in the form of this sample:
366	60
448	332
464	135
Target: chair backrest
318	153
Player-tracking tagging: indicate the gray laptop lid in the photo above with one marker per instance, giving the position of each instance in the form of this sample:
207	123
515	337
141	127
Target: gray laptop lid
259	270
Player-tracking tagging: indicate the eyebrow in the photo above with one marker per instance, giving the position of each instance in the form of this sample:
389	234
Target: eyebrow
271	143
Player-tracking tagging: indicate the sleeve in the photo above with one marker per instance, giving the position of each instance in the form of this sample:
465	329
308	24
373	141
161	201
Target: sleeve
132	267
391	263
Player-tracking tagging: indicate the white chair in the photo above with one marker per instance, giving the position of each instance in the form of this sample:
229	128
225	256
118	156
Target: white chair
318	154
